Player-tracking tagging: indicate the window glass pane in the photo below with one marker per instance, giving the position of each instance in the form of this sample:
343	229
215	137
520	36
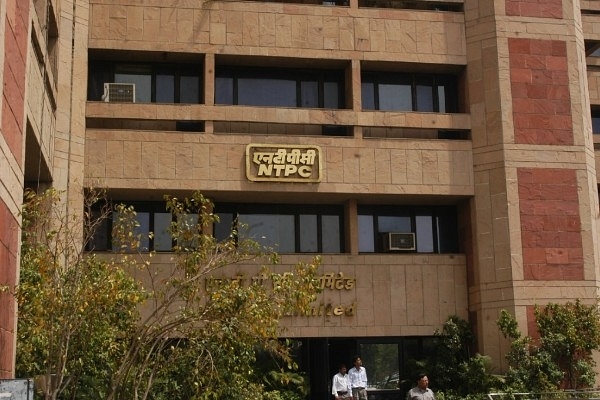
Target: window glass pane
412	355
381	359
266	92
99	239
424	233
330	232
331	95
366	234
308	234
165	88
189	90
394	224
99	75
223	90
222	229
310	94
447	233
424	98
162	237
188	227
442	99
368	95
142	231
596	124
272	231
141	76
395	97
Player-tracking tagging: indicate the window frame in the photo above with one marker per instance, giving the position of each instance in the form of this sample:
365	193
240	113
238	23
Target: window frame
376	212
321	76
595	116
235	210
447	81
101	72
151	208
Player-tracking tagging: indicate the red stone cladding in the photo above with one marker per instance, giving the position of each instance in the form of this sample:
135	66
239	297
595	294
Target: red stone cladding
15	53
534	8
532	330
540	91
16	37
550	224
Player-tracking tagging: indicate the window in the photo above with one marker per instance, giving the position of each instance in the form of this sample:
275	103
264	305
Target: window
439	5
154	83
391	362
279	87
595	121
409	92
435	228
151	217
285	228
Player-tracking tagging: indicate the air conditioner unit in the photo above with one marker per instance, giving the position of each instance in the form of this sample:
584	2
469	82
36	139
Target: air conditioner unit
119	92
399	241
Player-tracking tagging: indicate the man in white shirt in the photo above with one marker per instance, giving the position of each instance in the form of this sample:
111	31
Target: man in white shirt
358	380
340	386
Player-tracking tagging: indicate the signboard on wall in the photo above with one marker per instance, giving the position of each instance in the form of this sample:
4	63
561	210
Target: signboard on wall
283	163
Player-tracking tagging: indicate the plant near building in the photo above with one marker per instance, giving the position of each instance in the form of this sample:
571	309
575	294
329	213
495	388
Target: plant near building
455	372
201	331
117	326
72	307
560	357
570	333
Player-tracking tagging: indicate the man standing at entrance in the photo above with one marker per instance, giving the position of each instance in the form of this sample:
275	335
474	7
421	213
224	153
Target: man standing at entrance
358	380
340	387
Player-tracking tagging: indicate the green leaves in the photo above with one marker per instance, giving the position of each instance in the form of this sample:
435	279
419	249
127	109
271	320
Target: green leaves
80	324
200	341
458	373
73	307
562	356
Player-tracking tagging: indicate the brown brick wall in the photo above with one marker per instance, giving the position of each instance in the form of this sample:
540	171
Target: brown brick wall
540	91
550	224
534	8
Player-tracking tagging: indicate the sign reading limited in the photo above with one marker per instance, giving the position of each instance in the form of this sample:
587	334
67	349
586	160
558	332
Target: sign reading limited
283	163
328	281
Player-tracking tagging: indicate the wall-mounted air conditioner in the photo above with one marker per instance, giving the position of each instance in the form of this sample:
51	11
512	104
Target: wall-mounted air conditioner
119	92
399	241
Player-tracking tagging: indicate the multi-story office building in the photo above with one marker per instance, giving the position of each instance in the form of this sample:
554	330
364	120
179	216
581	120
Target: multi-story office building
438	154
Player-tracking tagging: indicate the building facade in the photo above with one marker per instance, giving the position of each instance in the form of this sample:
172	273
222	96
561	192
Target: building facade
38	147
439	154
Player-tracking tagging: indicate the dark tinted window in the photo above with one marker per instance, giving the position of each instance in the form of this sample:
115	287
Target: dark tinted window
160	83
388	91
435	229
284	228
279	87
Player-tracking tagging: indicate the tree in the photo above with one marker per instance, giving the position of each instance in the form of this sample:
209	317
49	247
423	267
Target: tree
456	372
214	330
73	307
570	333
562	355
198	334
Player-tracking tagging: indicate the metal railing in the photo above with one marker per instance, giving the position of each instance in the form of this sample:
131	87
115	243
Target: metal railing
584	394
